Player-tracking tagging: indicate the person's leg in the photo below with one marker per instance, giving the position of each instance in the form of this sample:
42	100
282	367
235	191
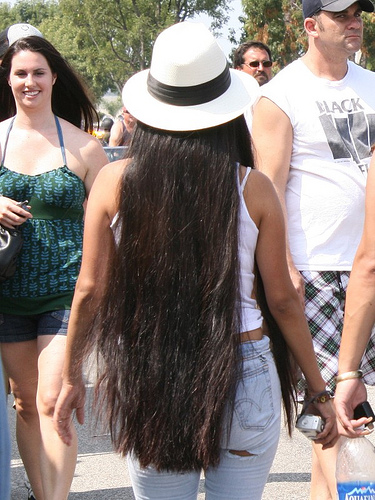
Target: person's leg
239	477
148	484
5	379
4	444
58	460
20	362
250	448
325	300
323	483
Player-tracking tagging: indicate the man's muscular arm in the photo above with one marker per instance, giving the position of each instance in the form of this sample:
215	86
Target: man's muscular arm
272	136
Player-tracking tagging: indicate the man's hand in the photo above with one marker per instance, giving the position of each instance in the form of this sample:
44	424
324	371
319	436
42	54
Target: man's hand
349	394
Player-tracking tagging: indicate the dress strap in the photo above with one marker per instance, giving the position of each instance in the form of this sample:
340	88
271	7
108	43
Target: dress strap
59	133
61	140
6	140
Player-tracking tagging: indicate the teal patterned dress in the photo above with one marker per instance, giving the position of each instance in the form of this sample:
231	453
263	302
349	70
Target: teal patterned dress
48	266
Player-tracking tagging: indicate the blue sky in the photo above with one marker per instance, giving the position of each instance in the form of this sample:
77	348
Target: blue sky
233	22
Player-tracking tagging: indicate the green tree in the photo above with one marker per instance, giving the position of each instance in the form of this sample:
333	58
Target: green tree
119	34
30	11
368	49
109	40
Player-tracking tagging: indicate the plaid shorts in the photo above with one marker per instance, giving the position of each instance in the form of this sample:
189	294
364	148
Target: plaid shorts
325	293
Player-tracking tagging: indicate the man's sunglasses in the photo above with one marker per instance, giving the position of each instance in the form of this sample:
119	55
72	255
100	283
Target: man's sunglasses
256	64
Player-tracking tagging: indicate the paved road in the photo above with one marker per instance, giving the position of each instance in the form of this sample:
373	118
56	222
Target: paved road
101	474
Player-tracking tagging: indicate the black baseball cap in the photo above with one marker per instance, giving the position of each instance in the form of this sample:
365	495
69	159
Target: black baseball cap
311	7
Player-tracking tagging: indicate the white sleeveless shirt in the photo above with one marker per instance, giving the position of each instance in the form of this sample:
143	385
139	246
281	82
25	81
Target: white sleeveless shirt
333	130
250	315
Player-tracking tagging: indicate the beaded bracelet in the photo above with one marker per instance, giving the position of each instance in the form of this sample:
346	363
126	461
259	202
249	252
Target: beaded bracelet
349	376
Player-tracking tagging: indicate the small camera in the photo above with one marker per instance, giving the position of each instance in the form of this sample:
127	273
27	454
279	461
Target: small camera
310	425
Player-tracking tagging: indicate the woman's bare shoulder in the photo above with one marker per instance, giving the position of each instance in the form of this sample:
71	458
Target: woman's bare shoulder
76	138
258	182
105	190
82	145
111	174
260	195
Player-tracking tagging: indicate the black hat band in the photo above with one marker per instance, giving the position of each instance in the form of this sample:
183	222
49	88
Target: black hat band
190	96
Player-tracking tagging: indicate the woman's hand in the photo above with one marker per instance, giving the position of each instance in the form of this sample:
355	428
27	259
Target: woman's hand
349	394
11	213
72	397
329	434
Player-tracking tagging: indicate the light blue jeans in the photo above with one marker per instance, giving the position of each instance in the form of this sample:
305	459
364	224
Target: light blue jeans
255	428
4	443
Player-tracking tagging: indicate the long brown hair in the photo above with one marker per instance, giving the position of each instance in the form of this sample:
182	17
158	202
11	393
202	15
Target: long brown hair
167	330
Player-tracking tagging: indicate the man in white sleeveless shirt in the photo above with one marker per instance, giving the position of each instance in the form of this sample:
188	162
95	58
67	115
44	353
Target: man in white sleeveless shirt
313	130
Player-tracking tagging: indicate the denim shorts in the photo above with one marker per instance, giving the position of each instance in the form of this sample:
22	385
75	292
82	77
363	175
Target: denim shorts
17	328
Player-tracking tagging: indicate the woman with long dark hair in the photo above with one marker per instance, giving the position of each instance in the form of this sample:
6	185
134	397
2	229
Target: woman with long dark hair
187	380
48	165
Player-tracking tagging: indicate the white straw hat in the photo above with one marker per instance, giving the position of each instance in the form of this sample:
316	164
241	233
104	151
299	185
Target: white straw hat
189	85
21	30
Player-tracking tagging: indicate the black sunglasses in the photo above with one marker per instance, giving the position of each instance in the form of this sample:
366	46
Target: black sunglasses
256	64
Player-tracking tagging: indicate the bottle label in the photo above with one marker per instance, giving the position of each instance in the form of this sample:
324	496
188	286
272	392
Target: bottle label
356	490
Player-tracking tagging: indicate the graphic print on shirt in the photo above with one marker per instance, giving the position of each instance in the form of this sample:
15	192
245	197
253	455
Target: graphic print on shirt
349	130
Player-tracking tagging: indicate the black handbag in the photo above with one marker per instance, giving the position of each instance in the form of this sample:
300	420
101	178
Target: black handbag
10	245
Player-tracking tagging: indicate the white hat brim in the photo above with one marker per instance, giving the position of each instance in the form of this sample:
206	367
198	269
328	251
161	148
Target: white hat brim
239	97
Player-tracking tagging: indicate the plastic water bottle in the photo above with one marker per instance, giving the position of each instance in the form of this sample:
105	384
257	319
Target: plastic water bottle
355	470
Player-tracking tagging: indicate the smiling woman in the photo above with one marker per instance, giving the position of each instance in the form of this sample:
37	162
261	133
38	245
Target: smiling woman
31	78
49	161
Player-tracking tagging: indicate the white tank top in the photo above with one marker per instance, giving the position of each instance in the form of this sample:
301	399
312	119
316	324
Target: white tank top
333	129
250	315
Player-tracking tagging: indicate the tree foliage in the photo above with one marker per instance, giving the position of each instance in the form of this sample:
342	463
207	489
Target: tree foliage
108	40
368	48
121	33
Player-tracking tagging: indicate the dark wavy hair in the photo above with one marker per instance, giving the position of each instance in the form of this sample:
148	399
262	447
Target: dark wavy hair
4	43
70	97
238	54
167	329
